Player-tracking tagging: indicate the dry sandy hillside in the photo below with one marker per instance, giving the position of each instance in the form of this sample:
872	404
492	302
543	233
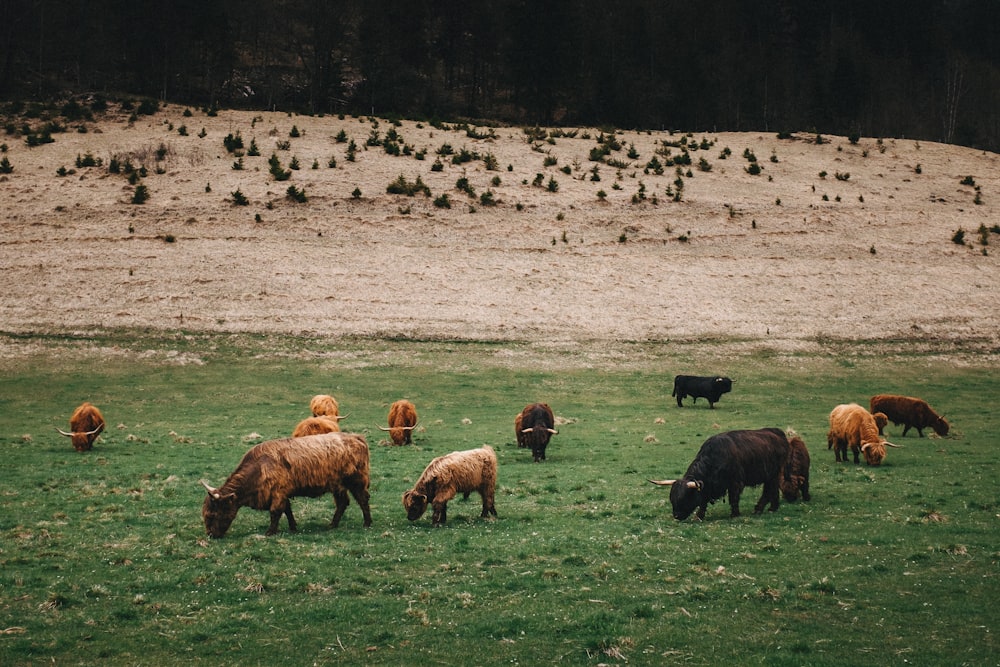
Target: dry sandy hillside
785	258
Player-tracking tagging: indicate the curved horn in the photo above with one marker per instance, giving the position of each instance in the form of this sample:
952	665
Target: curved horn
552	431
891	445
662	482
693	485
338	417
212	492
96	430
62	432
866	446
409	428
383	428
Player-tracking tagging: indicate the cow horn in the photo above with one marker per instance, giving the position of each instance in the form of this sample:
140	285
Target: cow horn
62	432
866	446
96	430
662	482
212	492
338	417
383	428
553	431
693	485
891	445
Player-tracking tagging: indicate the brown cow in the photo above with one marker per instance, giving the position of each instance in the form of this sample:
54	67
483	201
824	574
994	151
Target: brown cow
85	425
274	472
853	426
315	426
795	479
910	412
448	475
402	421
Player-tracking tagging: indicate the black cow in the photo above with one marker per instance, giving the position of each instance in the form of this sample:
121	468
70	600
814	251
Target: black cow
728	462
536	425
711	388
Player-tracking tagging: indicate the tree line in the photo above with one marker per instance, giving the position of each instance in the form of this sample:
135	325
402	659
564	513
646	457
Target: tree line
923	69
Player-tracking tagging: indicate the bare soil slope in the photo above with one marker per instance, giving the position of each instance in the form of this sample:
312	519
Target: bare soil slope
829	240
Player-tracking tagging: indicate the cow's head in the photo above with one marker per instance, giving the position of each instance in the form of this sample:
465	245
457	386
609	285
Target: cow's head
218	511
724	385
880	420
398	433
83	441
874	452
940	426
415	504
685	495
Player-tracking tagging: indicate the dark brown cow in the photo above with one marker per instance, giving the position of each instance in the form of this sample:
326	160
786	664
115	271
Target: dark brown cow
910	412
85	425
795	479
274	472
536	428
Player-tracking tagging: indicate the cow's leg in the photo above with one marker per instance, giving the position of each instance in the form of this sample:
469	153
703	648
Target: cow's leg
700	514
906	427
734	499
805	487
680	397
488	507
342	501
276	512
363	499
857	454
440	515
768	495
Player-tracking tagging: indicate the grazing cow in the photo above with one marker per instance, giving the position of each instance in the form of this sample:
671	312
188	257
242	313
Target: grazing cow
536	428
85	425
726	463
881	421
710	388
910	412
795	479
402	421
853	426
448	475
315	426
274	472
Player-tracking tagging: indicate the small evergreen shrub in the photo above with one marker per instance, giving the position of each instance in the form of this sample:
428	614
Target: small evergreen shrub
140	195
295	194
240	199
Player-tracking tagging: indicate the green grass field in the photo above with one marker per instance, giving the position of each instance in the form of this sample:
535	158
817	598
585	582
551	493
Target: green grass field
103	556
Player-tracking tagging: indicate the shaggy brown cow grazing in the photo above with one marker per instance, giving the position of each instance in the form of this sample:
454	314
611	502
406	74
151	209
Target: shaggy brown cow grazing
880	420
274	472
795	479
315	426
402	421
910	412
536	428
448	475
85	425
853	426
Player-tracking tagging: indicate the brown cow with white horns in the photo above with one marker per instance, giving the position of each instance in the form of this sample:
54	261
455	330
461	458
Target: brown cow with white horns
853	426
274	472
402	421
85	424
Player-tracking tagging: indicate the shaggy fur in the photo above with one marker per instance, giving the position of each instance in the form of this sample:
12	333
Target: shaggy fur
86	423
315	426
910	412
402	421
536	428
275	471
324	405
853	426
795	479
451	474
726	463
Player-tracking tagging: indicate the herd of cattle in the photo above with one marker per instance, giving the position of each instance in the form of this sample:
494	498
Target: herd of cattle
320	459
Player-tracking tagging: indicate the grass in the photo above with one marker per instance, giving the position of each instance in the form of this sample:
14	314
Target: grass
103	555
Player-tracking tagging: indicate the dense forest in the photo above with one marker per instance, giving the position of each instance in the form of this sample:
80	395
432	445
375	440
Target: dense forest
925	69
